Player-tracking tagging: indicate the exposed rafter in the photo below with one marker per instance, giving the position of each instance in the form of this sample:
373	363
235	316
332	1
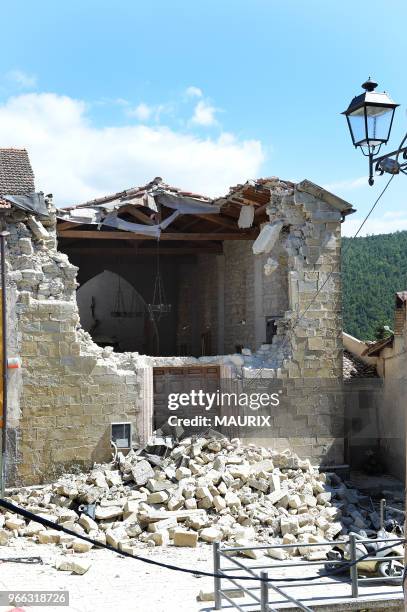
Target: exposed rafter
119	235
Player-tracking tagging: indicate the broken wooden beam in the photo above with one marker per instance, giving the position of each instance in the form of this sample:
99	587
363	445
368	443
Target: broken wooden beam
99	251
119	235
65	225
137	214
218	220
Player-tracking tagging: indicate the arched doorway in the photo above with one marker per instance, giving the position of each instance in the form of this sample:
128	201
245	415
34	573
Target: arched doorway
115	314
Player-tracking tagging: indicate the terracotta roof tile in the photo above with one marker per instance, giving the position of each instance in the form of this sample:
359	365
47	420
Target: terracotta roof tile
356	368
140	191
16	175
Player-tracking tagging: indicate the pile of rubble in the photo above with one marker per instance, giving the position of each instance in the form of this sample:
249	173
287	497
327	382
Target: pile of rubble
199	489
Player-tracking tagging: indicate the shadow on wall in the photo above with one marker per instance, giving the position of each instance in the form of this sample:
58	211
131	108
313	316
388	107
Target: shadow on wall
115	314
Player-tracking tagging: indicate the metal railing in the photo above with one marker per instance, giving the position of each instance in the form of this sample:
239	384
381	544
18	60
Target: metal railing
259	592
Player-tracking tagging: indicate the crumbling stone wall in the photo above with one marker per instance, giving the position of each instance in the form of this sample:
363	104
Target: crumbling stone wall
69	389
306	353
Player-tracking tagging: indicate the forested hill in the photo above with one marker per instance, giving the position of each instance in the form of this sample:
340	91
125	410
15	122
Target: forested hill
374	268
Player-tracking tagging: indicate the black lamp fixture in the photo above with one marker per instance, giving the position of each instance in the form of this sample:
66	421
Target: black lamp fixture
370	119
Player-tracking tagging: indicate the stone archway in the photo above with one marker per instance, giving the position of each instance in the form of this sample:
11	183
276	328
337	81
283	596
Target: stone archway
115	314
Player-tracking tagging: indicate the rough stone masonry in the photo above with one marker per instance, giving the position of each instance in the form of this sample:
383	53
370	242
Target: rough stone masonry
69	390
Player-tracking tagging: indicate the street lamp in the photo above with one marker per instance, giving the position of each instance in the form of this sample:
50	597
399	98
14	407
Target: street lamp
370	119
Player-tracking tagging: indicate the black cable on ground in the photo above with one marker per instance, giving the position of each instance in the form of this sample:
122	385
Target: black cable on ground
27	560
47	523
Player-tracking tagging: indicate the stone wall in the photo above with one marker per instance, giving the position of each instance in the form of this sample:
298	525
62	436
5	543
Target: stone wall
69	390
239	295
306	353
303	295
197	323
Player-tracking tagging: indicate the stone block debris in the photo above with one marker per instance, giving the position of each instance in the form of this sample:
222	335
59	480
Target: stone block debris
202	490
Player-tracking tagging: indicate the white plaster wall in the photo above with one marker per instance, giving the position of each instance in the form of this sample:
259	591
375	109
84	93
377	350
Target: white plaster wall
357	347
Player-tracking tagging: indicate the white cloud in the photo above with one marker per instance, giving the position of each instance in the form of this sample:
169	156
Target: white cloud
142	112
204	114
22	79
193	92
391	221
77	161
347	185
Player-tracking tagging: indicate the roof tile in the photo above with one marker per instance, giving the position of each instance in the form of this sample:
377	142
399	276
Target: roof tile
16	175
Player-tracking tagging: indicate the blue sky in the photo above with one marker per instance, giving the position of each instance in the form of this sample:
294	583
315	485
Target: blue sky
106	95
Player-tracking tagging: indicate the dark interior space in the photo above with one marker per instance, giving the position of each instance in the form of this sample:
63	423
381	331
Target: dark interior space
118	297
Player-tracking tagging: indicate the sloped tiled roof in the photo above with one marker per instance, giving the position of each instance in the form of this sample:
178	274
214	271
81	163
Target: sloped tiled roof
138	192
374	348
356	368
16	175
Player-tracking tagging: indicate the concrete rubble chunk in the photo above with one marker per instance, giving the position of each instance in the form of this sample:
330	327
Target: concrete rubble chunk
278	553
160	538
108	512
211	534
114	536
15	523
210	595
159	497
76	565
185	538
88	523
289	524
33	528
219	502
37	228
142	472
80	546
182	472
164	524
50	536
251	553
4	536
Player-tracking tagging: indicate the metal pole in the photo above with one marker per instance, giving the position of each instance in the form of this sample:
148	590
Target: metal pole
382	513
354	567
217	580
3	236
371	179
264	592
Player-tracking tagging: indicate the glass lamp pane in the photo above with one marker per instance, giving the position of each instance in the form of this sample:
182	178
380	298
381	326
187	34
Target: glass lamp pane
357	125
378	124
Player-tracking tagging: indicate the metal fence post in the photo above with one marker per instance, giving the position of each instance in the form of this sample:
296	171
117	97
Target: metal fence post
354	567
217	580
264	592
382	513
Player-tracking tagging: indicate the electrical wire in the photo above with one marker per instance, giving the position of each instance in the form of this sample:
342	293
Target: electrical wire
47	523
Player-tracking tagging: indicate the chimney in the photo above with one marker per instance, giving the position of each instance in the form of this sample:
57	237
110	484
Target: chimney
400	321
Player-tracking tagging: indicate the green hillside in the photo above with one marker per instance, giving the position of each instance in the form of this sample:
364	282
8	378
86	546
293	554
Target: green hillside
374	268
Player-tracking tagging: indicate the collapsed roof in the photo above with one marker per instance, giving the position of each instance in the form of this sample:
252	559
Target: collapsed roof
151	209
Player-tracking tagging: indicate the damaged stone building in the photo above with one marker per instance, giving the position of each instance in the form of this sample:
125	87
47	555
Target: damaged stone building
382	366
132	296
